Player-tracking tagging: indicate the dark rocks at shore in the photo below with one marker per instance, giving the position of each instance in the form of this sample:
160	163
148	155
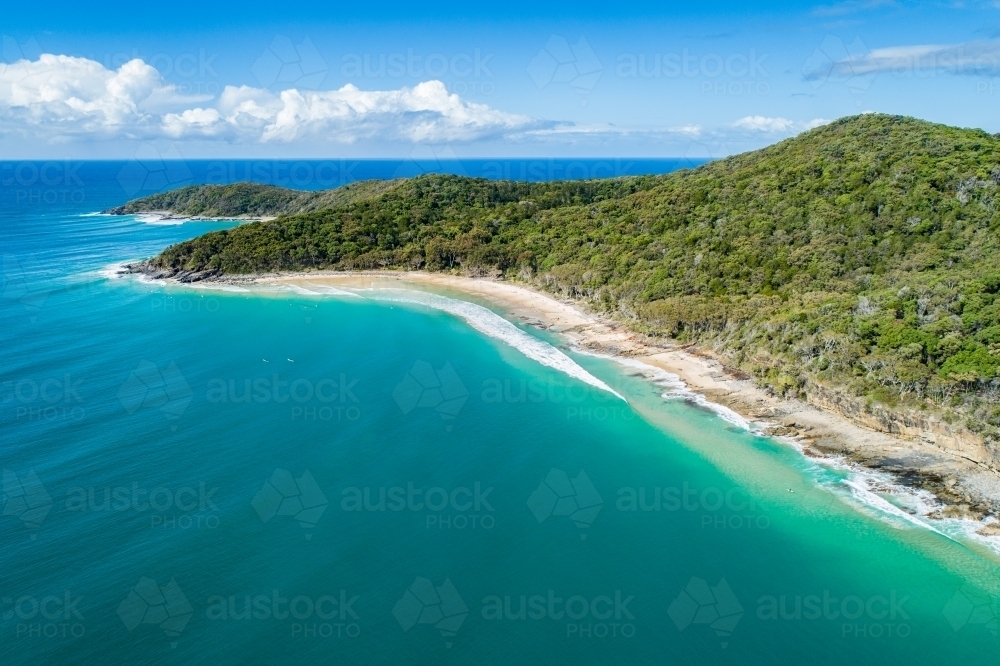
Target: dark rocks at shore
158	273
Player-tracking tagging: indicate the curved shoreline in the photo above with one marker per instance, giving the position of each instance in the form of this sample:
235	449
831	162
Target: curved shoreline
168	217
966	489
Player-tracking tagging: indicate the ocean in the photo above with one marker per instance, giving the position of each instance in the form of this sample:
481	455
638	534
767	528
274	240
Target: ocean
389	476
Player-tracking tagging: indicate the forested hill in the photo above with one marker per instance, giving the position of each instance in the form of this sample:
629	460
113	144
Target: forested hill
251	199
863	254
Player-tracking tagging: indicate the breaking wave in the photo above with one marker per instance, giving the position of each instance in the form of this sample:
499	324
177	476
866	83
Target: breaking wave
493	325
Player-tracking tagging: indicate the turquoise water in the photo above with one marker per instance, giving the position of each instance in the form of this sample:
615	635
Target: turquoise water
197	476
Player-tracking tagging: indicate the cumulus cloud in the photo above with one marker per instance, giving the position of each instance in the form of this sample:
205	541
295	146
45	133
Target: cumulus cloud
192	121
66	95
60	95
777	125
56	97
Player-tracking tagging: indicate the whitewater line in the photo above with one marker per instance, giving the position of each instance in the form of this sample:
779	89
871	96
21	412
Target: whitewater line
675	388
493	325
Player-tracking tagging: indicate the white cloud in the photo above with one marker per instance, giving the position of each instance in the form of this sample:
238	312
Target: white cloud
564	130
763	124
425	113
977	58
777	125
56	96
66	95
192	121
818	122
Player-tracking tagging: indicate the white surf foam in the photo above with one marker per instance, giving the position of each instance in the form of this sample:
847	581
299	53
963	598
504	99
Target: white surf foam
157	219
218	286
861	491
912	506
309	290
296	289
112	271
482	319
493	325
674	388
320	290
864	487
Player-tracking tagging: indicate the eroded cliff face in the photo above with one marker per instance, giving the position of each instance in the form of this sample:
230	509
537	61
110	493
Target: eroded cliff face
953	438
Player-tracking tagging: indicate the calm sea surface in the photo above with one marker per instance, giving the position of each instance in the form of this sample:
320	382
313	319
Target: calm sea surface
194	476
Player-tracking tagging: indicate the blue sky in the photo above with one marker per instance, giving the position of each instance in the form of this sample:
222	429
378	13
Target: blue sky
480	79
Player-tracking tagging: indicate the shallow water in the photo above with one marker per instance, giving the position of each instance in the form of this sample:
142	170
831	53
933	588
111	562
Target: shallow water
244	441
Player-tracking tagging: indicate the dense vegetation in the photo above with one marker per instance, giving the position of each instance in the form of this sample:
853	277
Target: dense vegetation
251	199
861	254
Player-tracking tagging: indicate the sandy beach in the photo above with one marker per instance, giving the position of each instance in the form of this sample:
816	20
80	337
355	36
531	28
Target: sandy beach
967	489
168	217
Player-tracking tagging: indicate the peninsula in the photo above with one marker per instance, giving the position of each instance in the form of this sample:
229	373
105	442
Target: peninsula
855	267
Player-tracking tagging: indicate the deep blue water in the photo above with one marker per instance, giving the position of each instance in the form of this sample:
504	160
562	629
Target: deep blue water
198	476
53	182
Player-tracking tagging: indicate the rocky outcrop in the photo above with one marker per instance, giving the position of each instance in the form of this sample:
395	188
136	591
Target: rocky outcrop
148	269
952	438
